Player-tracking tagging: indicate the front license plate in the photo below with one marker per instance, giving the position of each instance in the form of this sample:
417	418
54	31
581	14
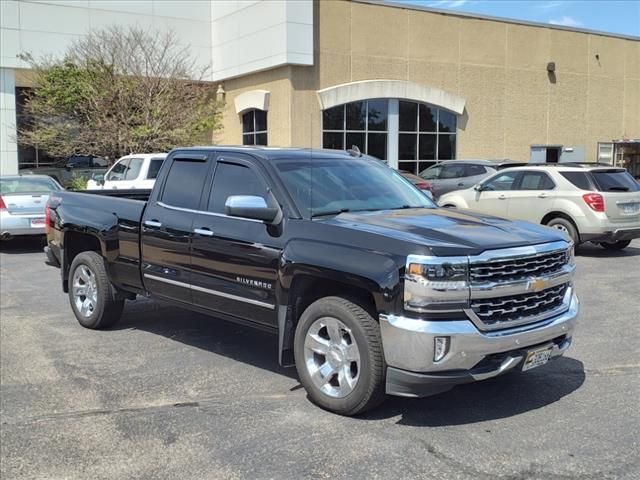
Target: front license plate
37	222
537	357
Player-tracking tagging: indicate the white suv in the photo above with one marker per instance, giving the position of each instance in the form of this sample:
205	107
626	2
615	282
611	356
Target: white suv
589	203
138	170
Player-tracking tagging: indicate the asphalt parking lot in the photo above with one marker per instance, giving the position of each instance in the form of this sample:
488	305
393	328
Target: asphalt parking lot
172	394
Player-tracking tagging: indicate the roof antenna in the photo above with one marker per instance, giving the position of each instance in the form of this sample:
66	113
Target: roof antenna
354	151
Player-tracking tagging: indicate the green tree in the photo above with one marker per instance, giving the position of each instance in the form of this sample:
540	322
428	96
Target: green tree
118	91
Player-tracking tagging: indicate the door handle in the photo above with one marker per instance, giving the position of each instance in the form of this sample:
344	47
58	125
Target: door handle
501	197
205	232
542	195
461	184
152	223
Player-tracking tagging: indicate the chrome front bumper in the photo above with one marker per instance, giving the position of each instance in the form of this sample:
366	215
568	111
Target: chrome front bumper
409	349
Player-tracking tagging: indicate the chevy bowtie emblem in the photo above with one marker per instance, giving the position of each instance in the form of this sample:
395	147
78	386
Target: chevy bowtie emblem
537	285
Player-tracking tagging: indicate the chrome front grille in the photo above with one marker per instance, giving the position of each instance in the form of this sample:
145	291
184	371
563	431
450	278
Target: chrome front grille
494	312
512	269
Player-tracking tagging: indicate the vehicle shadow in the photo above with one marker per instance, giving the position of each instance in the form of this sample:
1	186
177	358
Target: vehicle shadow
238	342
19	245
596	251
501	397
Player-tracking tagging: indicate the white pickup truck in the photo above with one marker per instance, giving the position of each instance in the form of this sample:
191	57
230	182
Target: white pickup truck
135	171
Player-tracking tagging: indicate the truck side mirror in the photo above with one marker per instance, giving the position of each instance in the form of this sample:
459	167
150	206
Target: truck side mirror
98	178
251	207
478	187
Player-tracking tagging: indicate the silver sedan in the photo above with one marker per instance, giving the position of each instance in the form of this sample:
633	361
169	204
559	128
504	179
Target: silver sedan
22	204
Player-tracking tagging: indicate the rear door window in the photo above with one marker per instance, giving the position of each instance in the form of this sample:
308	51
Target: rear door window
473	170
452	171
615	181
154	168
431	173
184	183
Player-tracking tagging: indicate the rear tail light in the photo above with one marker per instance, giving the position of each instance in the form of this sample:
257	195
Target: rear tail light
2	204
423	186
595	201
47	219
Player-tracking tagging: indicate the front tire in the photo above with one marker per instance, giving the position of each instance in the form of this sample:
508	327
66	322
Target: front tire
93	299
339	357
619	245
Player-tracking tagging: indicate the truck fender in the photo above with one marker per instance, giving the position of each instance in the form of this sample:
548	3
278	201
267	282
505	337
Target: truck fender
376	273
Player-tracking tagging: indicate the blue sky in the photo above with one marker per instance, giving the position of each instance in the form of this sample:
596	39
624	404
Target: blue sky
605	15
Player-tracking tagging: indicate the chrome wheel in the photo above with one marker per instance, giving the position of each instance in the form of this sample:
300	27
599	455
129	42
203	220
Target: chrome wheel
332	357
85	290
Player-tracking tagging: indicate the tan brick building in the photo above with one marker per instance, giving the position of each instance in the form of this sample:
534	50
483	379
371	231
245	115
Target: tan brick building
480	87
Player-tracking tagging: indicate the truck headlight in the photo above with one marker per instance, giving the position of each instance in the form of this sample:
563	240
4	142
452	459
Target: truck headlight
436	284
571	254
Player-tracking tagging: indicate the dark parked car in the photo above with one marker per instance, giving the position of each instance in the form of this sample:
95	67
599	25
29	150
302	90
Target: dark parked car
368	287
453	175
74	166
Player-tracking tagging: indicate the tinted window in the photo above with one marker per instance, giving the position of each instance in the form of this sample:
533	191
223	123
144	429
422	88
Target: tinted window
118	171
26	184
615	181
232	179
133	170
578	179
100	162
154	168
184	183
79	162
473	170
536	181
452	171
504	181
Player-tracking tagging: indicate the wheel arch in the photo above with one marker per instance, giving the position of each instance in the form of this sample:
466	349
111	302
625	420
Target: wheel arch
369	279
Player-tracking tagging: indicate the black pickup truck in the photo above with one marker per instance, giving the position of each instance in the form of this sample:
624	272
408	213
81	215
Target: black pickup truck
368	285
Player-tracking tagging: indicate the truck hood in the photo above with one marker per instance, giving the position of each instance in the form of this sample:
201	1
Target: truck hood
448	231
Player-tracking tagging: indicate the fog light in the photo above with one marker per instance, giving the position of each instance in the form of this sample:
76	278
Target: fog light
440	348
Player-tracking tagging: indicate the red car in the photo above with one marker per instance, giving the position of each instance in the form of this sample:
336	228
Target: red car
419	182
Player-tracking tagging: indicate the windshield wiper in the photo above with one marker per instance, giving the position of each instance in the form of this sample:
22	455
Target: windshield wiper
330	212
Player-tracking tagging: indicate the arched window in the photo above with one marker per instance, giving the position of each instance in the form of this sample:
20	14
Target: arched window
426	134
254	127
363	124
409	135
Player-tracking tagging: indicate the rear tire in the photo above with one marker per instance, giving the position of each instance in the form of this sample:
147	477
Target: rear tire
566	226
92	297
339	357
619	245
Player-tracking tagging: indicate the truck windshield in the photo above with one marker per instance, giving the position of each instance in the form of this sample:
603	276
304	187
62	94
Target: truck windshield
322	187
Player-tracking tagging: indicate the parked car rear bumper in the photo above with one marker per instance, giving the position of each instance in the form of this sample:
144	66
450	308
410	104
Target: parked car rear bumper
617	235
18	225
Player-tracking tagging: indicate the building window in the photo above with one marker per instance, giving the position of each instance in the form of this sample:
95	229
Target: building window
362	124
254	127
409	135
426	134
